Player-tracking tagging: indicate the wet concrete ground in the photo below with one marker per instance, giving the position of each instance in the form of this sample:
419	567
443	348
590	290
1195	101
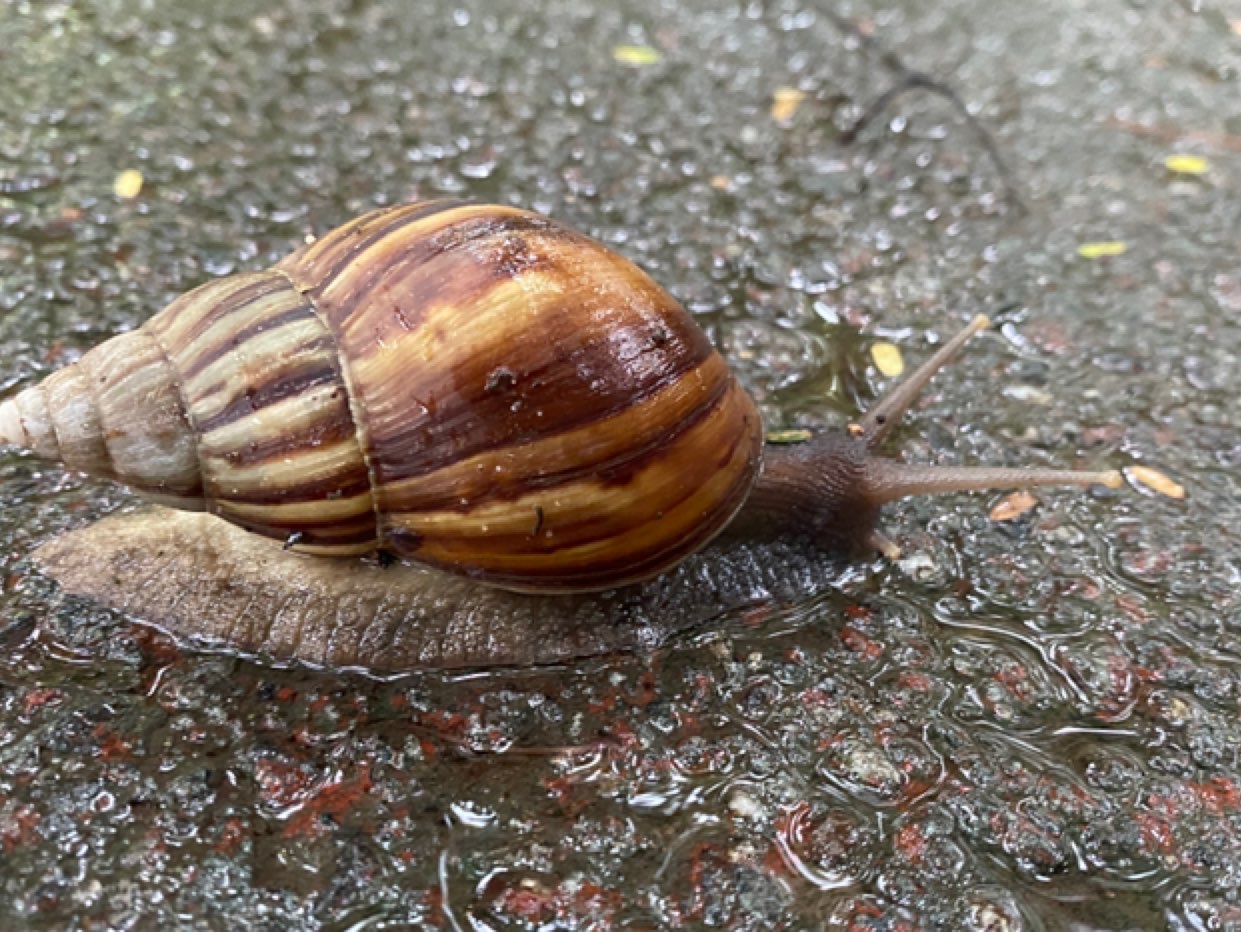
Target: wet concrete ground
1025	725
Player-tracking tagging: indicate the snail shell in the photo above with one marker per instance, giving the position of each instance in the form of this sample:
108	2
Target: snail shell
473	387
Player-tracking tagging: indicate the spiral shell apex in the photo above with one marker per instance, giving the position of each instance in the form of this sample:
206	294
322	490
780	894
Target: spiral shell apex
469	386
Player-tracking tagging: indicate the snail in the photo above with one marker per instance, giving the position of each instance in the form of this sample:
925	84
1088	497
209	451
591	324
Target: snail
473	388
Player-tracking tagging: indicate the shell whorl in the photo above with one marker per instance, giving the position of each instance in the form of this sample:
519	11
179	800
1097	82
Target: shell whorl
260	381
115	413
471	386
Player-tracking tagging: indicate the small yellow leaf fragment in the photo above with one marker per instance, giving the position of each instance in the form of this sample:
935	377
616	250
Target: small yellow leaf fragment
788	436
128	184
1187	164
721	182
784	103
1013	506
1102	249
1236	26
1156	481
637	55
887	358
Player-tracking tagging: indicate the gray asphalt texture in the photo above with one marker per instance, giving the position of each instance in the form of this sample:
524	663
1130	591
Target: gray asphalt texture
1029	724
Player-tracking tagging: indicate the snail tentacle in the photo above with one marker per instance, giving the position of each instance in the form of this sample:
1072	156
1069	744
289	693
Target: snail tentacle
883	416
831	488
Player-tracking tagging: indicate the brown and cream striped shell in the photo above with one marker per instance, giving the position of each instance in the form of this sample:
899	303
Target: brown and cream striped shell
470	386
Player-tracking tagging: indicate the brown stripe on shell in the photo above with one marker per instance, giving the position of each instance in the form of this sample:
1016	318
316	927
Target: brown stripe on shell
606	450
305	463
268	357
281	430
199	338
347	519
253	485
498	343
310	373
592	510
217	345
594	535
299	493
188	325
371	287
324	260
262	383
397	293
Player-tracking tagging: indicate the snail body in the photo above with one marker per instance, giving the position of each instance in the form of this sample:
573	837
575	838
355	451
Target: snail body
214	586
472	387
